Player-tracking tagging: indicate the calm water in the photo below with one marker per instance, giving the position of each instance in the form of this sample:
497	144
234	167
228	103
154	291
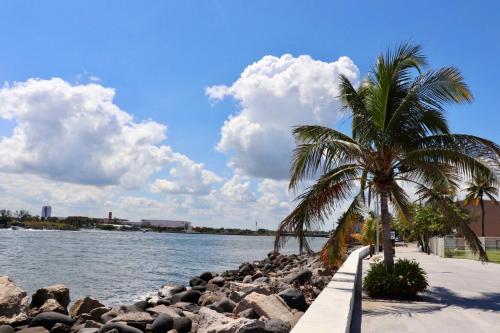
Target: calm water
121	267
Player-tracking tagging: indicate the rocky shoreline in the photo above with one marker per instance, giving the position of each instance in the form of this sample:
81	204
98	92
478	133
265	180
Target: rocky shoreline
265	296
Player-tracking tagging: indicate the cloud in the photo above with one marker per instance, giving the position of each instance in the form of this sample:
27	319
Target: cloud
76	134
186	177
237	189
274	94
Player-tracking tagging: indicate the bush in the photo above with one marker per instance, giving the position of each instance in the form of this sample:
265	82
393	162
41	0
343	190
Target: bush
404	280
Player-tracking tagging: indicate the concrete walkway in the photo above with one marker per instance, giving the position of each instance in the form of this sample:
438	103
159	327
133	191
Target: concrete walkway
464	296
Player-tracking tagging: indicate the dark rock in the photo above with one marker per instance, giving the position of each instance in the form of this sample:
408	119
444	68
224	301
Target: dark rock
84	305
294	299
58	292
162	323
268	267
182	325
109	315
218	280
226	305
301	277
245	269
138	306
60	328
163	301
196	281
249	314
277	326
261	280
121	328
207	276
6	329
96	313
49	319
190	296
215	307
236	296
200	288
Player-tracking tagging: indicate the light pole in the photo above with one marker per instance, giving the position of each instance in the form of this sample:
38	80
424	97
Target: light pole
376	226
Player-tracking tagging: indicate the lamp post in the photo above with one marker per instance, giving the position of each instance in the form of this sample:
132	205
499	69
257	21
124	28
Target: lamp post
376	226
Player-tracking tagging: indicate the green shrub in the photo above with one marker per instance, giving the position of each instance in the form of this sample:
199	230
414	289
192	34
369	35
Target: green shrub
404	280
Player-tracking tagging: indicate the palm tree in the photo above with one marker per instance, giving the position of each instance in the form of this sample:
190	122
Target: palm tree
479	187
399	136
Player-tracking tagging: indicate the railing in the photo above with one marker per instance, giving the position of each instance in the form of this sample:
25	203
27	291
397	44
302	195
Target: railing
331	312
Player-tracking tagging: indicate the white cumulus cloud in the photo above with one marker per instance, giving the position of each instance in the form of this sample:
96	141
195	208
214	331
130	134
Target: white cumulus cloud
274	94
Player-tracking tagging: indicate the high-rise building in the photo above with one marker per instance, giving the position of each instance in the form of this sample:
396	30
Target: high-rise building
46	212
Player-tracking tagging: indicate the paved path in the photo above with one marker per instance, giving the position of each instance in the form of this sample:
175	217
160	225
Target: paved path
464	296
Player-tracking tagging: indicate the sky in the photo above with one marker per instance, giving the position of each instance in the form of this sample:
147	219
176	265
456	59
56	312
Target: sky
184	109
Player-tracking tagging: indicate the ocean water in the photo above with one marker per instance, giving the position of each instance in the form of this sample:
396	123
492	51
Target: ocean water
122	267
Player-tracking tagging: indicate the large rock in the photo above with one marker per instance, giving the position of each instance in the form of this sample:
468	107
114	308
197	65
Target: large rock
49	319
13	303
168	310
294	299
207	276
58	292
6	329
135	319
218	280
162	323
300	277
182	324
168	291
84	305
121	328
38	329
196	281
271	306
190	296
268	326
52	305
60	328
211	321
225	304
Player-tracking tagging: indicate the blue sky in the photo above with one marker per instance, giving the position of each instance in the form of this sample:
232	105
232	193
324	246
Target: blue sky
160	56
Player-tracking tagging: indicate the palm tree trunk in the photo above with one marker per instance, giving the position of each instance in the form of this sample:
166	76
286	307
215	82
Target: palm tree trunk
386	229
482	216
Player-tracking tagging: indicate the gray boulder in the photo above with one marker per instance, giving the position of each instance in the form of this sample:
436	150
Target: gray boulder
6	329
49	319
162	323
182	324
218	280
207	276
190	296
301	277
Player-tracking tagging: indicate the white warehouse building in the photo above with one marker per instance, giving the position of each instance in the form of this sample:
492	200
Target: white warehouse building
170	224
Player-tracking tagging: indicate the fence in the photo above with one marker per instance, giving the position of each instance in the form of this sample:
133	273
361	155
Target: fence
449	245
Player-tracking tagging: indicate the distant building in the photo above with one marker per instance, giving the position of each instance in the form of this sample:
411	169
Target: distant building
491	218
168	224
46	212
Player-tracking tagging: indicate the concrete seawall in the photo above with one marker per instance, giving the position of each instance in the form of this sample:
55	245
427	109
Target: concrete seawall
331	312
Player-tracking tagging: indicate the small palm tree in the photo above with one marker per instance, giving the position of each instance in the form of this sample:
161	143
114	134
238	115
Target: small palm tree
479	187
399	135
